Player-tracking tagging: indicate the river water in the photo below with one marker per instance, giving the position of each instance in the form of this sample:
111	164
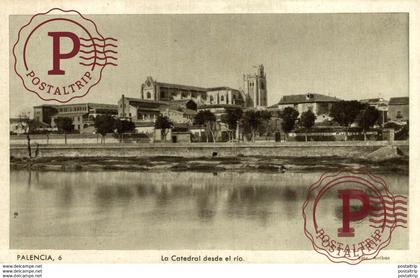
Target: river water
166	210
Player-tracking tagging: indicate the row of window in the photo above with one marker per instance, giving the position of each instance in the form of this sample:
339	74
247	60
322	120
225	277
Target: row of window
72	109
146	116
165	94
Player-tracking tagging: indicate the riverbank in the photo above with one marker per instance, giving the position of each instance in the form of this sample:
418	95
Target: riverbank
204	164
353	149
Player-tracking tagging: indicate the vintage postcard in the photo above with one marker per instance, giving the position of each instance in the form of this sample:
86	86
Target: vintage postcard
166	132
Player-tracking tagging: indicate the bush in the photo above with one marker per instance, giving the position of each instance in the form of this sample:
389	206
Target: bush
402	134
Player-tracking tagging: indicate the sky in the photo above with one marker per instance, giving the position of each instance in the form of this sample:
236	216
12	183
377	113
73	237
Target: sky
349	56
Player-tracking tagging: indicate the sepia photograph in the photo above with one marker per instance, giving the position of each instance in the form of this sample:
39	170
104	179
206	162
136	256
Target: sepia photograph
209	132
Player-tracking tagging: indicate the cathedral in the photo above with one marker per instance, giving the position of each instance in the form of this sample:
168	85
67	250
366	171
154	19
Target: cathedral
180	103
253	95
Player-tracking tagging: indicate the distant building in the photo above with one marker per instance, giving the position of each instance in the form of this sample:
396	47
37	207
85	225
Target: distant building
225	96
398	109
82	114
255	88
44	113
139	110
381	105
319	104
145	112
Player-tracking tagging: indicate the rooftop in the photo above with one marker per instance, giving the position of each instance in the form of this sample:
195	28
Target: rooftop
189	87
151	103
205	106
221	88
307	98
179	86
373	100
398	101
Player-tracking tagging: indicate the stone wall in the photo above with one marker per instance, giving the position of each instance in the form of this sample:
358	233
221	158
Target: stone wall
292	149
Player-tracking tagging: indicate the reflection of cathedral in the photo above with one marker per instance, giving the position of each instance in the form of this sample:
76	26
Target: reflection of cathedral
255	87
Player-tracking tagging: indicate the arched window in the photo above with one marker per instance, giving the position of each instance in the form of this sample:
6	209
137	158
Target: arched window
149	95
211	99
222	98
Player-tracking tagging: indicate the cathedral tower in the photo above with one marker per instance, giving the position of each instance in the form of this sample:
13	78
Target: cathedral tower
255	87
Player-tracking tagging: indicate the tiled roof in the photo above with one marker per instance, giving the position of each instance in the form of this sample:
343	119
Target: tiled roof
179	86
221	88
145	103
372	100
398	101
45	105
306	98
219	106
102	105
188	87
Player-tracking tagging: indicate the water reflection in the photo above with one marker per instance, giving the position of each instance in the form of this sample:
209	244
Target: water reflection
161	210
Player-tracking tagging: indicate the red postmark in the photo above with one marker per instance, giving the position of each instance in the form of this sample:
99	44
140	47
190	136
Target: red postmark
350	216
59	55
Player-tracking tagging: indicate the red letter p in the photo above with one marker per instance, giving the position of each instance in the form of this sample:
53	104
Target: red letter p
57	55
346	195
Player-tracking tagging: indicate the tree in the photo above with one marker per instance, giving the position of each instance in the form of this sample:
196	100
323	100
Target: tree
251	120
307	120
24	121
403	133
30	126
104	124
345	112
367	118
289	117
208	119
164	124
64	125
231	119
265	125
123	126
